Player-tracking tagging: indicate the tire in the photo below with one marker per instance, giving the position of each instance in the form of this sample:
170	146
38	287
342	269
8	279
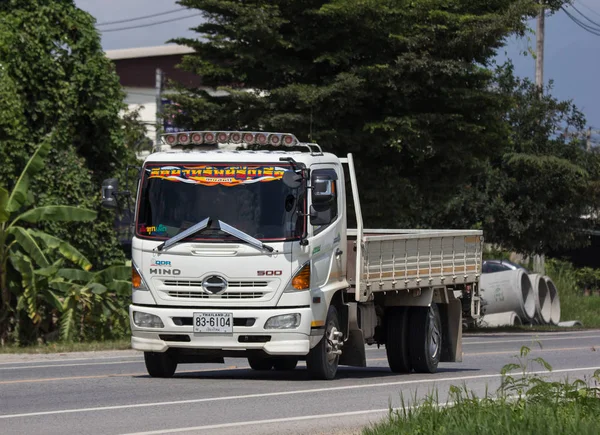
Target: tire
285	363
396	340
160	365
425	342
320	362
260	363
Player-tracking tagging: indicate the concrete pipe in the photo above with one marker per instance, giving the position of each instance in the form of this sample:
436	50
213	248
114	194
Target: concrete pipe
553	291
507	291
570	324
541	296
500	319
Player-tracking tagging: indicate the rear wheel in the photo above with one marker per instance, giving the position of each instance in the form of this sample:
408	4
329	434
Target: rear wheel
322	360
425	342
160	365
285	363
396	340
260	363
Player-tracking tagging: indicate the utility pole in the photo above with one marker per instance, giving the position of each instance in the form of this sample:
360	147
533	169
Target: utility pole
539	58
159	82
588	139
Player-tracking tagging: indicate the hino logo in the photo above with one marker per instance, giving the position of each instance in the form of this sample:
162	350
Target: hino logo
157	271
214	284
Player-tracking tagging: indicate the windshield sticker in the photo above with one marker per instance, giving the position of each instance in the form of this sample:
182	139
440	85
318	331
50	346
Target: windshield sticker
159	230
218	175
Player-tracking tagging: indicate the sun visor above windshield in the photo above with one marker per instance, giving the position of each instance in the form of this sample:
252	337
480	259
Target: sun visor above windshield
212	175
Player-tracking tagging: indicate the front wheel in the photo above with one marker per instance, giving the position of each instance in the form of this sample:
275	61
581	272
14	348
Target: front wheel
322	360
260	363
285	363
425	343
160	365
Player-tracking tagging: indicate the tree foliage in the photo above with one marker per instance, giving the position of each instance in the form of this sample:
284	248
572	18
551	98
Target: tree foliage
440	138
54	75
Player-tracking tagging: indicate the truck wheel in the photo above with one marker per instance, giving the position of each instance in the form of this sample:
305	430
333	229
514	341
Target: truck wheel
285	363
396	340
425	342
160	365
322	360
260	363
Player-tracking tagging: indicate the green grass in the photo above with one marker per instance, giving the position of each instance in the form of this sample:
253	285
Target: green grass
471	417
524	404
60	347
574	306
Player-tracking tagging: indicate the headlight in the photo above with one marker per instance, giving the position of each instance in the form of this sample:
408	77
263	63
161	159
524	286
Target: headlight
285	321
146	320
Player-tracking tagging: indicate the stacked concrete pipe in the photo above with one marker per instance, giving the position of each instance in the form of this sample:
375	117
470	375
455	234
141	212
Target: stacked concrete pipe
501	319
543	301
555	301
507	292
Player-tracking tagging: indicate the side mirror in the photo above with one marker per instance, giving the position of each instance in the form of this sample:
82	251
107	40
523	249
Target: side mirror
291	179
110	188
323	191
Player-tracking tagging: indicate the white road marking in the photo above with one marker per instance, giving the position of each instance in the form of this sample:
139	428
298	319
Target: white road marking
337	415
40	361
283	393
532	339
72	365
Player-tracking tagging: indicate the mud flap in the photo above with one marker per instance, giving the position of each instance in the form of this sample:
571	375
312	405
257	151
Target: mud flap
353	352
451	314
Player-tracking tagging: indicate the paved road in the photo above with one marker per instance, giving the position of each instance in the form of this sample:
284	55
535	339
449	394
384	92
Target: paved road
110	392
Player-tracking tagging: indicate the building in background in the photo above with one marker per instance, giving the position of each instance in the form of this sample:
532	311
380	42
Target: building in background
137	70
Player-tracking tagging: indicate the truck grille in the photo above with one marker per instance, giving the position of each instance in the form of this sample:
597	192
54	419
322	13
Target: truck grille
231	284
202	295
191	289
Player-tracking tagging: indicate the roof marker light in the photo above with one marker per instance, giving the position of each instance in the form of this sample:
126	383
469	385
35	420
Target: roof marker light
248	138
288	140
235	137
197	138
171	139
209	137
222	137
275	140
183	138
261	139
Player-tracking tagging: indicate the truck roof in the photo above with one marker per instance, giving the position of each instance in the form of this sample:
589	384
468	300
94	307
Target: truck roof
228	156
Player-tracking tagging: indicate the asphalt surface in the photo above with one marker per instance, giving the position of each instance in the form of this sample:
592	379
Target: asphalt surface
110	392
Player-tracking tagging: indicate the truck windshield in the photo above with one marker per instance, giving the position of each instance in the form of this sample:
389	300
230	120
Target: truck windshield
251	198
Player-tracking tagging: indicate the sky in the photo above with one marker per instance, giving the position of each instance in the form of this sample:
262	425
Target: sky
572	54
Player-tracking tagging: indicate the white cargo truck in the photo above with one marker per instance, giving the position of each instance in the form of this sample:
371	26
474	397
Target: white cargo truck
242	252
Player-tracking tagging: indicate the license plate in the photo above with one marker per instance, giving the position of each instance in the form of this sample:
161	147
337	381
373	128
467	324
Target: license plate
213	323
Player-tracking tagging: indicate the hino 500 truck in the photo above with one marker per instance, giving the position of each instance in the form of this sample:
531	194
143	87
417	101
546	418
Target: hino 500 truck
241	249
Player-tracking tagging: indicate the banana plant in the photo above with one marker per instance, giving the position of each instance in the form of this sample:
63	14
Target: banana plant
20	238
83	297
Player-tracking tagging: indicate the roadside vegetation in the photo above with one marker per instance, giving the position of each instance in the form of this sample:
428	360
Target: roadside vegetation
578	292
524	404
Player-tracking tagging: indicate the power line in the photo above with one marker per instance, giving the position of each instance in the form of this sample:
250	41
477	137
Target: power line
582	24
589	8
149	24
128	20
587	18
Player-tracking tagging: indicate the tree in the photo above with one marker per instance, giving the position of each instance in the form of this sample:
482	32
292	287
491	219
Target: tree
401	84
23	248
54	75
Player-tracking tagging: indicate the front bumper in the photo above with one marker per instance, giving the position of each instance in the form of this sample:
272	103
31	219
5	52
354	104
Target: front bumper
281	342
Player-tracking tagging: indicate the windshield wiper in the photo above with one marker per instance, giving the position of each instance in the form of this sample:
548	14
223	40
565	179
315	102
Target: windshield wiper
243	236
191	230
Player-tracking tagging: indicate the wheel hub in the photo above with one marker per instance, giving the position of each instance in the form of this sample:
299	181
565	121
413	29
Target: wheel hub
334	342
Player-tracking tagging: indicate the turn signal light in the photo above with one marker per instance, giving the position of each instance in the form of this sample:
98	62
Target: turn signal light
136	279
302	279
